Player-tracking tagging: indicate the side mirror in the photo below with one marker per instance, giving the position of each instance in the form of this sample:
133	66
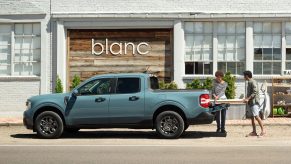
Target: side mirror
75	93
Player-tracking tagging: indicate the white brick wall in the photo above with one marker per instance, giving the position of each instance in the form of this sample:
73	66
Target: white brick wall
13	95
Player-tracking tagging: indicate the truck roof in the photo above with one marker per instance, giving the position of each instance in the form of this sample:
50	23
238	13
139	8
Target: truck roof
123	74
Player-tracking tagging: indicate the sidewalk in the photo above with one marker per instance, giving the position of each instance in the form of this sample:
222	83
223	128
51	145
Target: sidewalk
276	121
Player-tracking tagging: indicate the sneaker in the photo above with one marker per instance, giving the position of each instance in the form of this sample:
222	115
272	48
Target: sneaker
223	131
218	130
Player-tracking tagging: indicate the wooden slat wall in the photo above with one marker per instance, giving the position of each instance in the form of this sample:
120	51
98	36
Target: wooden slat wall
84	64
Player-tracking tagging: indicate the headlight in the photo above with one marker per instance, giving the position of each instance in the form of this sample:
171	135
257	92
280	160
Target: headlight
28	105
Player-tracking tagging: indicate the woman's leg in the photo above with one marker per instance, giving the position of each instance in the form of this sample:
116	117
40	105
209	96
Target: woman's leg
223	115
217	118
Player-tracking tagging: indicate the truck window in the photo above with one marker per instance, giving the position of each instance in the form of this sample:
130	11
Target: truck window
96	87
128	85
154	82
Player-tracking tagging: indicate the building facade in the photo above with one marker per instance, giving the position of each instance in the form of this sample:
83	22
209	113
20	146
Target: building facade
178	40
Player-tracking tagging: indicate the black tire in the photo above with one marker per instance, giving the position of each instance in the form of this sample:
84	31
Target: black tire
72	130
49	125
169	125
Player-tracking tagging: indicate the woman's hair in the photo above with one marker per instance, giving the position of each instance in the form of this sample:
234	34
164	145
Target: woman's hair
248	74
219	73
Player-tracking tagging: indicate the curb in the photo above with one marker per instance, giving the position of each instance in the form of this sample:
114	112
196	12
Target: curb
11	124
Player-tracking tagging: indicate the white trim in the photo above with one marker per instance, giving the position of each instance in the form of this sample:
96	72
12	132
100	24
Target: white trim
43	58
249	46
179	46
61	53
214	48
283	48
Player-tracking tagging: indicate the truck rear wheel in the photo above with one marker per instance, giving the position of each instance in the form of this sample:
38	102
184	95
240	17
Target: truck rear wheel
169	124
49	125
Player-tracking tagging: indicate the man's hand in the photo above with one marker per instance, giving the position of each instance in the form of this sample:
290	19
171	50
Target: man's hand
246	100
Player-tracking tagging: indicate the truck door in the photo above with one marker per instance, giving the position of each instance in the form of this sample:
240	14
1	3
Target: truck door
126	105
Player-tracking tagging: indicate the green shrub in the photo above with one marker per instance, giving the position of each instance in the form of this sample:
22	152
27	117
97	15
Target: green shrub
230	90
197	84
59	85
171	85
208	83
76	81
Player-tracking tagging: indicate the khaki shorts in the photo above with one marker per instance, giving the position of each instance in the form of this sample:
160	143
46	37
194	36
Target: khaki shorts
254	110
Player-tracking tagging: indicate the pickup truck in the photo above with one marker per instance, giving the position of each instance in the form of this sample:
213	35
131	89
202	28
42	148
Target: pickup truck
118	101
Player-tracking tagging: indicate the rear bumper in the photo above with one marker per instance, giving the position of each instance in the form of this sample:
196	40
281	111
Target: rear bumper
202	118
27	121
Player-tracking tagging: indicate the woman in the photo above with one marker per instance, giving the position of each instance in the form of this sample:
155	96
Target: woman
218	92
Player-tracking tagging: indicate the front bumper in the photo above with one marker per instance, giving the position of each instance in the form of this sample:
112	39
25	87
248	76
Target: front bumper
202	118
27	120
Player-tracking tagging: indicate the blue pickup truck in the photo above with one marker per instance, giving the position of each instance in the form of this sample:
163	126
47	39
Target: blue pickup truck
118	101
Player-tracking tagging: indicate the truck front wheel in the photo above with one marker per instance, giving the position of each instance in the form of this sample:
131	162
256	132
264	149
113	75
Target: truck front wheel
49	125
169	124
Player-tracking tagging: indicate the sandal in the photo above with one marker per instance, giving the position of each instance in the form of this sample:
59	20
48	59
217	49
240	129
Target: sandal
262	134
251	134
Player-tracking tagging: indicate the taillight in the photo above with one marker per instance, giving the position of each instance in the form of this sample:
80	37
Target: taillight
205	100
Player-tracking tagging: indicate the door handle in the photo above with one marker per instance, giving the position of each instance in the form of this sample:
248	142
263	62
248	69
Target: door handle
133	98
100	99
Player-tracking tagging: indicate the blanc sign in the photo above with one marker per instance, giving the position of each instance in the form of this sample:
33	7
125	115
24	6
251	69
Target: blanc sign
121	46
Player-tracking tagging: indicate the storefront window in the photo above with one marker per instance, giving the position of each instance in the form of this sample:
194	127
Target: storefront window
267	48
26	53
288	45
231	47
198	41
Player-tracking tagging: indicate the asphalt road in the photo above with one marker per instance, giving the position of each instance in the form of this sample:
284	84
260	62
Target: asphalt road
109	146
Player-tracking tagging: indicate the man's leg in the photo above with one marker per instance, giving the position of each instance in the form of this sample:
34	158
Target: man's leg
261	124
253	125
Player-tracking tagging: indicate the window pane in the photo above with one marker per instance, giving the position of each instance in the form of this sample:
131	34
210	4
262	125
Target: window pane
189	27
207	54
198	67
18	29
277	54
221	28
36	69
288	41
288	53
277	41
231	67
276	28
27	29
18	43
267	27
36	29
5	39
207	42
128	85
27	69
258	68
198	55
220	55
258	40
36	42
231	28
188	56
18	69
258	54
221	41
288	65
276	68
267	68
189	68
27	43
5	58
208	27
198	41
5	28
258	27
230	55
240	27
240	68
241	41
208	68
267	41
198	27
267	53
241	55
4	70
230	42
189	41
222	66
288	27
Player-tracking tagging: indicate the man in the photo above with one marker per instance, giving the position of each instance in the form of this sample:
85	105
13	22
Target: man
253	100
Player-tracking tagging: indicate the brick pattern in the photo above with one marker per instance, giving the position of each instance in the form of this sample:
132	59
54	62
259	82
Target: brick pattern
14	95
18	7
